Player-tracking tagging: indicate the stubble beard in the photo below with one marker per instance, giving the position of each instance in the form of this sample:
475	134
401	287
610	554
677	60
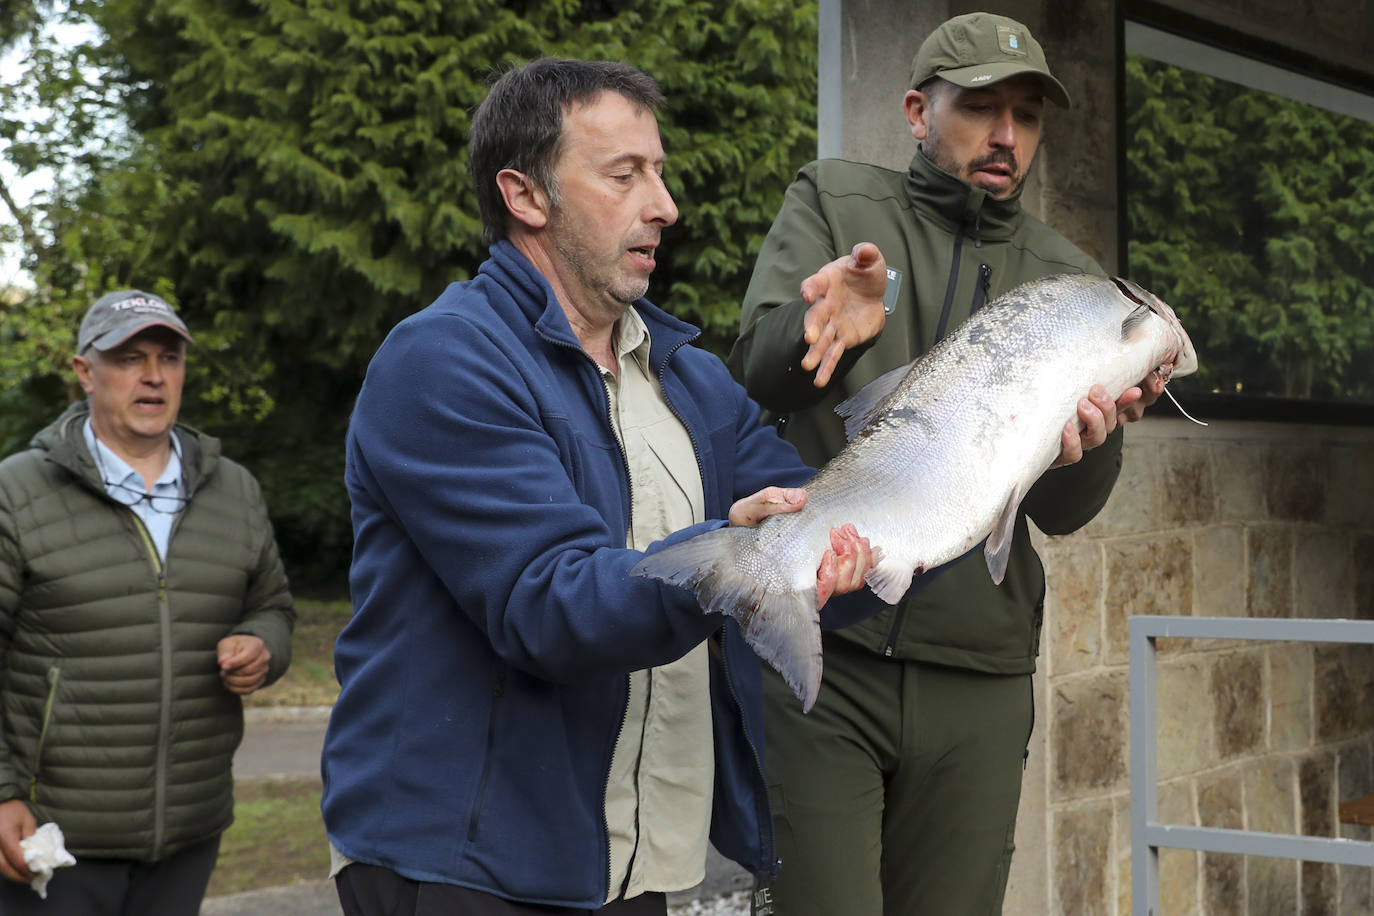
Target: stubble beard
603	281
935	151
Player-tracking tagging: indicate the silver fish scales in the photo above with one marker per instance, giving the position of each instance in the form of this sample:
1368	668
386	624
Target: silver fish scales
940	454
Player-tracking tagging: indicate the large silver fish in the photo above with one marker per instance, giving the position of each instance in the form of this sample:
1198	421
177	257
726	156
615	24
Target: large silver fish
940	454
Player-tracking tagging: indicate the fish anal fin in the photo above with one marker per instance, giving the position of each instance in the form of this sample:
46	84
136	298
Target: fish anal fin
890	579
998	546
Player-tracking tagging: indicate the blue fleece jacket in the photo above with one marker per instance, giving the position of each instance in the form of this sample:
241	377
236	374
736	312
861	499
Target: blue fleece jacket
485	671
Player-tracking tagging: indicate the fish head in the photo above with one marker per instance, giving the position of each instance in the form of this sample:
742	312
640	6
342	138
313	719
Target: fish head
1178	356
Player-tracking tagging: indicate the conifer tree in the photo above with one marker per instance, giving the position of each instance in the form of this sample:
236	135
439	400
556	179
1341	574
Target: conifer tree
295	180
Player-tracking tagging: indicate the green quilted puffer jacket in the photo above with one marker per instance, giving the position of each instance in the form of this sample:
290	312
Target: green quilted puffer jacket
115	722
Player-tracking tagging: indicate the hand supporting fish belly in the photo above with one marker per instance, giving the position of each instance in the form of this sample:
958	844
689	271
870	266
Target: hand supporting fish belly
940	455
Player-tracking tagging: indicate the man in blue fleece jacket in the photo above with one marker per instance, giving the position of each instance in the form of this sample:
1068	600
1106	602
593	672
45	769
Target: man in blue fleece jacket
522	725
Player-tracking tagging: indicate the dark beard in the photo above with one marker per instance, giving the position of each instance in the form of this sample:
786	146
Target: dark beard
934	151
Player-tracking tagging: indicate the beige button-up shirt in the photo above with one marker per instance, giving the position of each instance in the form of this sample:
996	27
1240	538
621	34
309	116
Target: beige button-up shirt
658	796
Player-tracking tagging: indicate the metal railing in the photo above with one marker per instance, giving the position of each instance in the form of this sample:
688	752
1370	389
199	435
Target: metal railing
1147	834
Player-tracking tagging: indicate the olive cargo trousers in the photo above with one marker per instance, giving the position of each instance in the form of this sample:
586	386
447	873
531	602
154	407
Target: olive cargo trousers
897	794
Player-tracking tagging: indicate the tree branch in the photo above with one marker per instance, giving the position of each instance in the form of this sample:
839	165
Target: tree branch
21	217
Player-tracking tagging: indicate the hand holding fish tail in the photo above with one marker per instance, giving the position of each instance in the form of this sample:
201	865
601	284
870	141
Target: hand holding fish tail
756	507
846	299
844	567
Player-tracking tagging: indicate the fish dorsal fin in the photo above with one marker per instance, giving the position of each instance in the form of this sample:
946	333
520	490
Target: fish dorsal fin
863	406
1139	315
998	546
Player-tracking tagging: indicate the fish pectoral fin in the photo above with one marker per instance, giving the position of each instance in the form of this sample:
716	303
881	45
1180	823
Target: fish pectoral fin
998	546
890	580
784	629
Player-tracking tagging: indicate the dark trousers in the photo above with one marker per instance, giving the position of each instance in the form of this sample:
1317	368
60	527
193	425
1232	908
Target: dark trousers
897	794
172	886
369	890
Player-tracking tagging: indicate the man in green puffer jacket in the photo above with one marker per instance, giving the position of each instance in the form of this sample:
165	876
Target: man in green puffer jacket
141	596
898	793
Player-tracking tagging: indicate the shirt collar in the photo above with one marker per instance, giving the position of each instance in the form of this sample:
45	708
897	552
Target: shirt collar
118	471
632	338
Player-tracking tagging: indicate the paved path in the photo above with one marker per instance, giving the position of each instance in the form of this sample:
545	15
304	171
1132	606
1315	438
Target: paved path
285	744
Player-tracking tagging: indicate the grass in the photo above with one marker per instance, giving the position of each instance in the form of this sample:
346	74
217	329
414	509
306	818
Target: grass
277	837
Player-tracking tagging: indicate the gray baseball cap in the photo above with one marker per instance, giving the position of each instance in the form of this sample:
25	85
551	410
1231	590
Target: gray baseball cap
979	49
117	316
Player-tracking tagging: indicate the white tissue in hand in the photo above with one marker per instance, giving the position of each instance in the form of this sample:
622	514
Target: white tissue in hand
43	852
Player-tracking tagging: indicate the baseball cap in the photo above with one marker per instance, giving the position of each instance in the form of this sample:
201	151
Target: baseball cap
979	49
117	316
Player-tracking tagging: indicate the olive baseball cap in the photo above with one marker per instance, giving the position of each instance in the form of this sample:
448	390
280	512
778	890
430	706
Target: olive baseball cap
979	49
117	316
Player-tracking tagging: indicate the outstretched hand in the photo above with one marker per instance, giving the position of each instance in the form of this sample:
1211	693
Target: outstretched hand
846	299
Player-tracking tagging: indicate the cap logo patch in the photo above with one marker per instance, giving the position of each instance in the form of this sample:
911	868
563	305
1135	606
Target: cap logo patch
1012	41
140	305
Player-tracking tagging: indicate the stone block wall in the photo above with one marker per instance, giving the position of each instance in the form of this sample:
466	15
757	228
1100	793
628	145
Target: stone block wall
1238	519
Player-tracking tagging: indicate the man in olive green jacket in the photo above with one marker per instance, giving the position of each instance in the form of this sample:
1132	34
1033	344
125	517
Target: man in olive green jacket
898	792
141	596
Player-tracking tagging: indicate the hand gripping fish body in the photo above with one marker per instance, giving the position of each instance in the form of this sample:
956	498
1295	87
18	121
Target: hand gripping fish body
940	454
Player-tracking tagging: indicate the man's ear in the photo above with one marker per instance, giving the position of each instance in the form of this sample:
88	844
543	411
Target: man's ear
525	200
82	367
917	105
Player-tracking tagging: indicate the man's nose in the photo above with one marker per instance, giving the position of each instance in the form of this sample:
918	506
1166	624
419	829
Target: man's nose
661	208
1003	130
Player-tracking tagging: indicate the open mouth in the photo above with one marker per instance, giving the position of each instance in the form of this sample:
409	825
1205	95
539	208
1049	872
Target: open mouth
644	254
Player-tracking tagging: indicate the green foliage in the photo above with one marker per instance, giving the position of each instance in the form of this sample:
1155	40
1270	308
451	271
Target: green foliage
1253	216
293	175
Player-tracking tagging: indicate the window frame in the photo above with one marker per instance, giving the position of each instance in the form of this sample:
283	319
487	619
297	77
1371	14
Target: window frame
1205	46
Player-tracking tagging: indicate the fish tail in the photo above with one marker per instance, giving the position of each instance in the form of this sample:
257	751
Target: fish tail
782	626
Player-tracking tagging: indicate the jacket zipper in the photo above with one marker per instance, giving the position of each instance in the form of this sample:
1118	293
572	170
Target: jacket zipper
498	689
950	288
606	783
983	288
54	676
165	704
